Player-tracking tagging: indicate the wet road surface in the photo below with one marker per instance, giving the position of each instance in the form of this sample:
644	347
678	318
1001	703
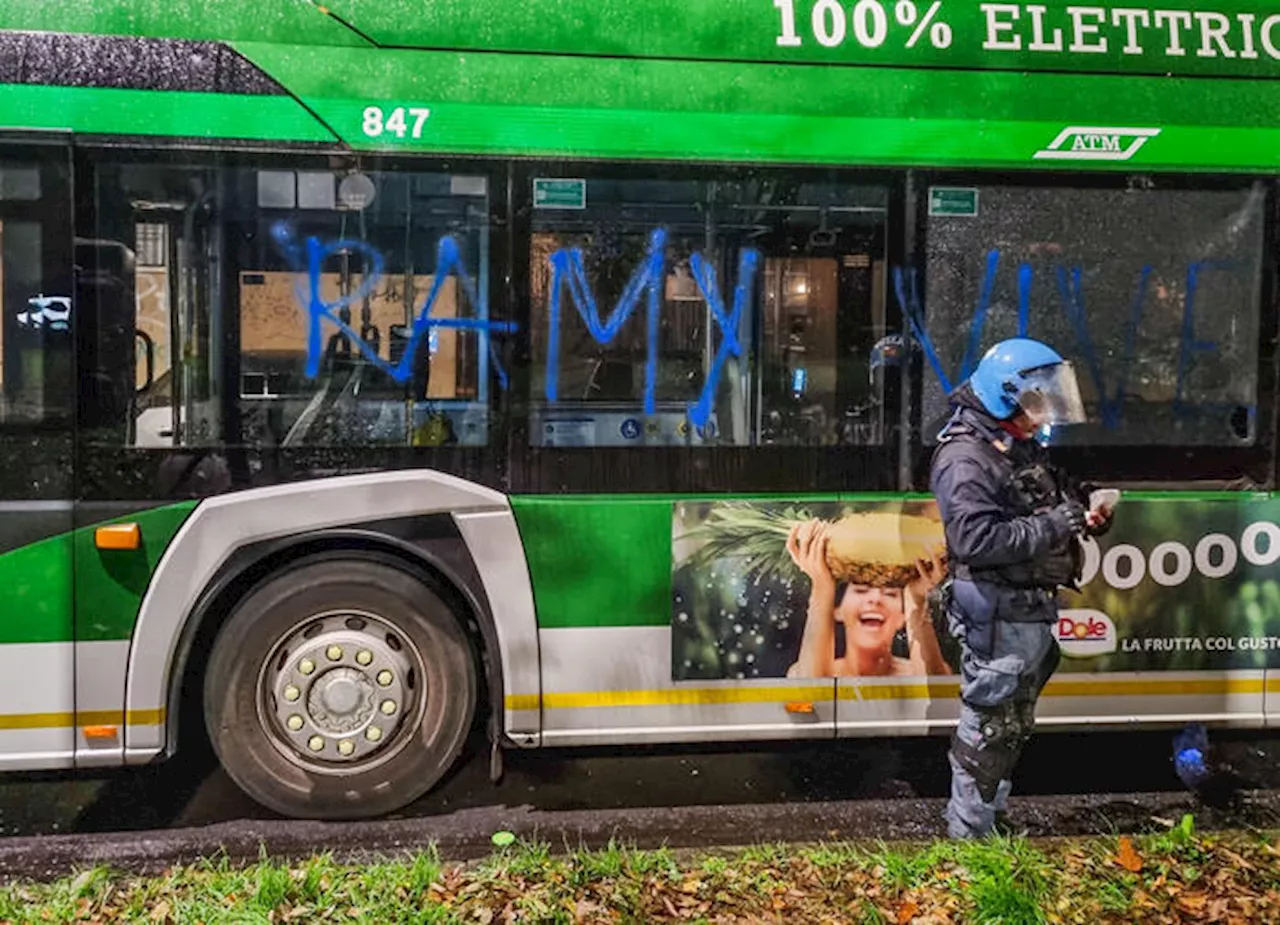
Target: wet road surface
1066	784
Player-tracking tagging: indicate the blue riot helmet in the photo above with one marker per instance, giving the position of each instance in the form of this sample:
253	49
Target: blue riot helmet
1025	375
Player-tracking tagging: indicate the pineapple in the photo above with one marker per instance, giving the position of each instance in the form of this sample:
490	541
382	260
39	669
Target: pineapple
878	548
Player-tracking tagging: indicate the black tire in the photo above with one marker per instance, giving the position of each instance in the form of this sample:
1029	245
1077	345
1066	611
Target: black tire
426	748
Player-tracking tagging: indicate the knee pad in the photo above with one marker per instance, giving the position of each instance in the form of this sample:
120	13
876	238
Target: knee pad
1003	724
988	764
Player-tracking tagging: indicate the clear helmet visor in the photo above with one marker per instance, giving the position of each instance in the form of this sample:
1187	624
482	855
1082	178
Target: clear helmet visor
1050	396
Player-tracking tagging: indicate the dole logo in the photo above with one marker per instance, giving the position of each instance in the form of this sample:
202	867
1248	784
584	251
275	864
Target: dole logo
1085	633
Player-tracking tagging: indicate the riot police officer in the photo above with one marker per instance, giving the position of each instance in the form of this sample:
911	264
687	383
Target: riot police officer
1013	524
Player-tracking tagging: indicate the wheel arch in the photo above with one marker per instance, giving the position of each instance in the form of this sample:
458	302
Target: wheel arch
251	565
460	536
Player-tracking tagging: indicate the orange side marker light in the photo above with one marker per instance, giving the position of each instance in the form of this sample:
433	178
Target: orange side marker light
118	536
799	708
101	732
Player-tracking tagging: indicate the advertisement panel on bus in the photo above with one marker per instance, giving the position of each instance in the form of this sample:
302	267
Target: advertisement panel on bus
1176	585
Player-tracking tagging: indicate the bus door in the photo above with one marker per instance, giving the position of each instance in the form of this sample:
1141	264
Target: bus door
37	645
148	259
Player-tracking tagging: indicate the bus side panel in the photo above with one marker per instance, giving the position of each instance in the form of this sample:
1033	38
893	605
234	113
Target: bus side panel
37	415
610	624
221	525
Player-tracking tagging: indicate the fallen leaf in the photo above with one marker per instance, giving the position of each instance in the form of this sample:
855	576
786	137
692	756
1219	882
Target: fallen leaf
1127	857
907	911
160	912
1193	902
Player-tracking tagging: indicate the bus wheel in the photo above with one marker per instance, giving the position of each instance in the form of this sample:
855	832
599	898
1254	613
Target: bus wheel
342	688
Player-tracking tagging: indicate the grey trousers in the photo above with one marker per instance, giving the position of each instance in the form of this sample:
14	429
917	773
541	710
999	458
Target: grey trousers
999	690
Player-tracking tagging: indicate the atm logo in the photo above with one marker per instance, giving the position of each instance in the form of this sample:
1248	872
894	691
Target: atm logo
1084	143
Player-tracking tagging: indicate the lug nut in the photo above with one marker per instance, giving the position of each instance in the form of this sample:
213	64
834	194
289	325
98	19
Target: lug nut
373	733
291	693
388	707
294	722
385	678
346	747
306	666
315	743
364	657
334	653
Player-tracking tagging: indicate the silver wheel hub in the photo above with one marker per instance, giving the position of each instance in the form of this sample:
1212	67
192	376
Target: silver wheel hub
341	700
337	689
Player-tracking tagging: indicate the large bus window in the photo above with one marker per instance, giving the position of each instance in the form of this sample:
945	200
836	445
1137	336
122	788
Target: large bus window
1155	294
35	291
401	261
701	313
153	329
286	307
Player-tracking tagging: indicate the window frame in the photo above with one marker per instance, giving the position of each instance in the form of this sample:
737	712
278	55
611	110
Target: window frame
510	463
671	470
119	473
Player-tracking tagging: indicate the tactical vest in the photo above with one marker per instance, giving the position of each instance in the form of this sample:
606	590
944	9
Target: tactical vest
1028	484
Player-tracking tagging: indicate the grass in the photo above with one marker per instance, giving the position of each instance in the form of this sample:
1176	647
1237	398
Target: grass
1175	876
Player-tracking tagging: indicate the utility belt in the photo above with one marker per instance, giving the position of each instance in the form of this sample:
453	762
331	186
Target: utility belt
995	576
1017	602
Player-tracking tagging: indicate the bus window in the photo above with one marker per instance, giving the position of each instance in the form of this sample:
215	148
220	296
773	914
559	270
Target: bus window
1155	294
735	312
268	306
153	330
401	260
35	330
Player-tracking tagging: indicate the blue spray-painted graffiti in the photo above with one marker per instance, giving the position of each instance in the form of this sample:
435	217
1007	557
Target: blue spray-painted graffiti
1072	295
567	269
311	258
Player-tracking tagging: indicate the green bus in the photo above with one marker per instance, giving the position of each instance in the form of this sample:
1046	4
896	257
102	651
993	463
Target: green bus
373	374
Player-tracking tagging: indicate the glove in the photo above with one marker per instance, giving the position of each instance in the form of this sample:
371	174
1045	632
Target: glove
1068	518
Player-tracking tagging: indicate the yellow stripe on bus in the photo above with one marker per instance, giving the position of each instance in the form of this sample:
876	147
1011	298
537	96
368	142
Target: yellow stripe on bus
932	690
83	718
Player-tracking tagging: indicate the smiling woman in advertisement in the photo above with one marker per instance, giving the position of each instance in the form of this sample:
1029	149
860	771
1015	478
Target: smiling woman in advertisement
887	598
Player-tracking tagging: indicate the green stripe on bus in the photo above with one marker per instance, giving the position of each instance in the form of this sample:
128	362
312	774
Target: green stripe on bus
35	592
578	106
65	589
87	110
